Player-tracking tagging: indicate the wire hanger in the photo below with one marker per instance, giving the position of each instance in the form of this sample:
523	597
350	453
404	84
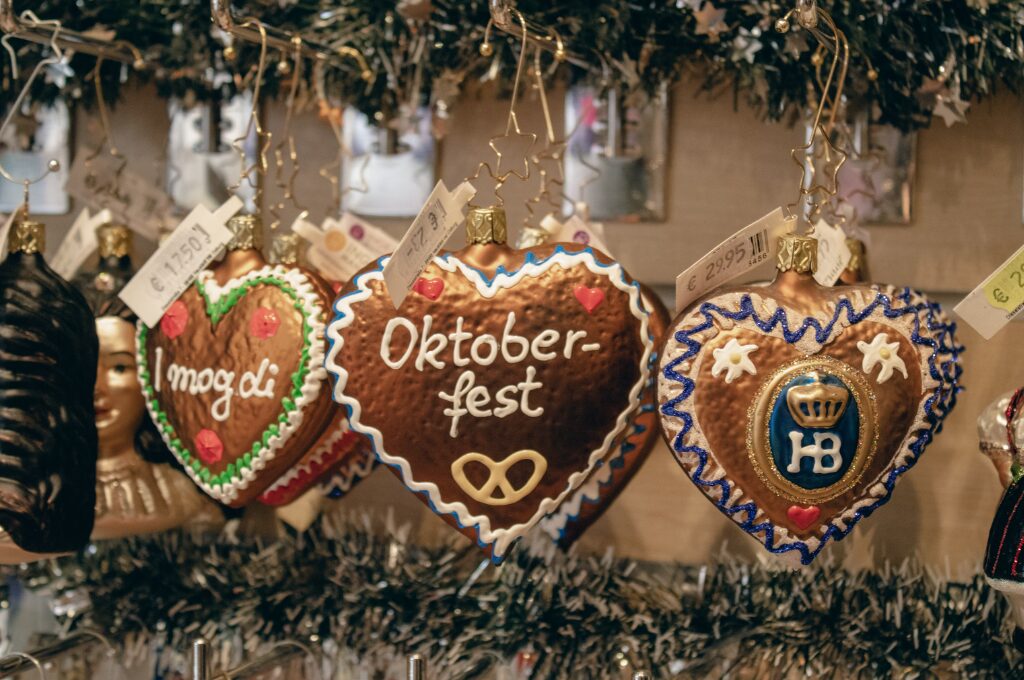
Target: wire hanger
35	30
512	128
56	56
810	191
256	32
283	182
330	171
253	173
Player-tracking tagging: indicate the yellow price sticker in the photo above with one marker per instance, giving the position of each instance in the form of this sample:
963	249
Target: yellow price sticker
1005	289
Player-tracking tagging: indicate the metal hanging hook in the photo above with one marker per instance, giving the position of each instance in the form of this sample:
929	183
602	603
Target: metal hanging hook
56	56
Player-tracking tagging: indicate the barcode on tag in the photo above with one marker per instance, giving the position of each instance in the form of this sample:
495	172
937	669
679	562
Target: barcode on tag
997	300
748	249
184	253
833	253
79	243
440	214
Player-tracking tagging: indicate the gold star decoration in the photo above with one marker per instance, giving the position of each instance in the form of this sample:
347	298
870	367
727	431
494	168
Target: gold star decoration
513	144
710	20
549	164
819	161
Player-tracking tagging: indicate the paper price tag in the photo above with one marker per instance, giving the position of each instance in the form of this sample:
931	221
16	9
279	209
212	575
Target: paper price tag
997	300
833	253
5	231
576	230
436	221
747	249
344	246
188	250
79	244
140	204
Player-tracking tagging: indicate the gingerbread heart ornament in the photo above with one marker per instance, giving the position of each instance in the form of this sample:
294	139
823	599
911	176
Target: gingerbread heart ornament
495	389
611	476
233	373
795	408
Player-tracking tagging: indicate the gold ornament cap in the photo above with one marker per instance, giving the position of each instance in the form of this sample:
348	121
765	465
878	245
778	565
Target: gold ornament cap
115	240
27	237
285	250
857	253
486	225
248	232
798	253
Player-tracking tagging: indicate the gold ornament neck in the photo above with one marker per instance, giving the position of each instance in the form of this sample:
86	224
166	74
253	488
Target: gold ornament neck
486	226
798	254
248	232
285	250
857	255
115	240
27	237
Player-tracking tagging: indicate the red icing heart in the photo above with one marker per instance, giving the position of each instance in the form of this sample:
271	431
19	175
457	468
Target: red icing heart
429	288
803	517
590	298
209	446
174	320
264	322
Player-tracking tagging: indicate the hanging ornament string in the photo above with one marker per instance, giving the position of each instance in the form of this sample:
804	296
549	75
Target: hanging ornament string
333	116
810	190
512	129
55	57
253	173
553	153
287	184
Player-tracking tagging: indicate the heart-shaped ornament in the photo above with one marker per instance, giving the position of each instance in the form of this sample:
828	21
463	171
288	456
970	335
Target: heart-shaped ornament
235	378
495	400
795	408
335	445
585	505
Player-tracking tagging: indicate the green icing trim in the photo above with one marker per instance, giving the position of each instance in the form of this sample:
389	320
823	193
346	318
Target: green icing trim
215	311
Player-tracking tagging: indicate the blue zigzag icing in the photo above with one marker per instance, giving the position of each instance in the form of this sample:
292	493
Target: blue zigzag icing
943	366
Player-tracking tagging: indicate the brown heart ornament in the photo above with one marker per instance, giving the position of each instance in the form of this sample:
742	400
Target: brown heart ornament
233	373
586	505
500	383
795	408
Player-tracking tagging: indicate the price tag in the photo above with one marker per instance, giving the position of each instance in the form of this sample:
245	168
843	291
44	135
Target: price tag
833	253
343	246
103	182
188	250
438	218
997	300
79	244
576	230
5	231
747	249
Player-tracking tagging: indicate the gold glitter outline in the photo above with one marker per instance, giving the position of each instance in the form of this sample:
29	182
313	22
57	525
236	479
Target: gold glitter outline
759	447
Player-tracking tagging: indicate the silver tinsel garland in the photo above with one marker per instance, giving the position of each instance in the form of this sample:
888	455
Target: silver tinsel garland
371	594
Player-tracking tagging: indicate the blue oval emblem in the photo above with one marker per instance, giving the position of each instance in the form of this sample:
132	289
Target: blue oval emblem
814	429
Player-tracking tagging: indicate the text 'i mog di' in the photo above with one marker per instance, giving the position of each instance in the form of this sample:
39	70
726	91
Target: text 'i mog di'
467	397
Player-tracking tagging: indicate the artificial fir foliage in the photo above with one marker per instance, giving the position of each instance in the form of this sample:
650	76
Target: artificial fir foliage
900	50
376	595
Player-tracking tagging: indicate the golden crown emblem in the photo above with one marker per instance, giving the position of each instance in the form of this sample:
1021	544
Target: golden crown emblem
816	404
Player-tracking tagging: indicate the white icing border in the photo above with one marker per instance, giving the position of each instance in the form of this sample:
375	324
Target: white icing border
501	539
808	345
315	313
342	482
304	465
